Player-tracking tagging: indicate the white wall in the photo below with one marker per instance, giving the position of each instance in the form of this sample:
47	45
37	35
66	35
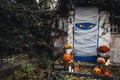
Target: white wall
104	29
115	48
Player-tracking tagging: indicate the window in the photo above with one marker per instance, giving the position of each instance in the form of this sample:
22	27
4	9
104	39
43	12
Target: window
115	29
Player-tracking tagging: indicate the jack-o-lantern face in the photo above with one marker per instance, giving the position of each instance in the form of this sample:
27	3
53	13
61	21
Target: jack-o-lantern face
100	60
67	57
96	71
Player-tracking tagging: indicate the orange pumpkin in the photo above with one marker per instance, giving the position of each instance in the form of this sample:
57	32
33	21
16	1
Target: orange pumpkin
67	57
107	73
76	67
100	60
96	71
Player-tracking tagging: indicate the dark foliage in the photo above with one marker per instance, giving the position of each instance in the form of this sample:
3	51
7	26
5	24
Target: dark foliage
25	28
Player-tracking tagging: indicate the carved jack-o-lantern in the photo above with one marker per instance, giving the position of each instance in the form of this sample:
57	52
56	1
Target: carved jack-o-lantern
67	57
96	71
100	60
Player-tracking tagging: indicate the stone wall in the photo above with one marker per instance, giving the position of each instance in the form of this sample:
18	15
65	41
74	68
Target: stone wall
115	48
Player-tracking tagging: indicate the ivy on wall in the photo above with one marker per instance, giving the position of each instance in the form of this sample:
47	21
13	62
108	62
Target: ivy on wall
25	27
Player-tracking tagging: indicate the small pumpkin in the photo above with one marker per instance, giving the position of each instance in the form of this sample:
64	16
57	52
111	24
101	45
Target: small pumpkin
107	73
67	57
76	67
96	71
100	60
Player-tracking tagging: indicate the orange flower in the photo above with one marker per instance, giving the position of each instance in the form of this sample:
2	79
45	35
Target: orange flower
103	49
